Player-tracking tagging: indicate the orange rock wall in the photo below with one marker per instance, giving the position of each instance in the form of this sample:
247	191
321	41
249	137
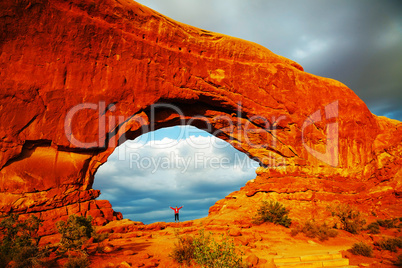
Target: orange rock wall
118	58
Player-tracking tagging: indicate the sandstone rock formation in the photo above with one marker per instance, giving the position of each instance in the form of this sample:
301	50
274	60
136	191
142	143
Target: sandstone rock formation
78	78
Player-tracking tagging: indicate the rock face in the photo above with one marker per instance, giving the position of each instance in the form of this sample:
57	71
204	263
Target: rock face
78	78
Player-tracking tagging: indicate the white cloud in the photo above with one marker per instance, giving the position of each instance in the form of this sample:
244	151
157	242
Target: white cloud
196	171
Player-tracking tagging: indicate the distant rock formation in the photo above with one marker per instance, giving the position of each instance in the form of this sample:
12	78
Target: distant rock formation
78	78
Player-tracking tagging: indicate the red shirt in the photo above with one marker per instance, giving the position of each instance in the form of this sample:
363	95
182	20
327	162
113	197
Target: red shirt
176	210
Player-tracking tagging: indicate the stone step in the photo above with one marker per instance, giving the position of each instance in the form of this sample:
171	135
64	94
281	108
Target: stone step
286	259
335	263
315	264
314	257
312	261
320	257
299	265
349	266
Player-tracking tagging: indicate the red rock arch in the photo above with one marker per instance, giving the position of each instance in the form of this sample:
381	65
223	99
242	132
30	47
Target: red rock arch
113	61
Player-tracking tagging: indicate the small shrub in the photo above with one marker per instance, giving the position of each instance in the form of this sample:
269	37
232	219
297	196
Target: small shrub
373	228
99	238
362	249
206	252
389	223
313	229
19	242
273	211
295	231
351	219
183	251
74	233
391	244
77	262
210	253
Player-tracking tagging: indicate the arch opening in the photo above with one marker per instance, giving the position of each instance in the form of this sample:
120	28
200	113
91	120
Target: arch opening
168	167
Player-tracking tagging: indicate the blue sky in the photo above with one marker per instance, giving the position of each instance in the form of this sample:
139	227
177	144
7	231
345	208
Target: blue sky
356	42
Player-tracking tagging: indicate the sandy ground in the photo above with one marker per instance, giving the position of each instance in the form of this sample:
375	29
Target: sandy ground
131	244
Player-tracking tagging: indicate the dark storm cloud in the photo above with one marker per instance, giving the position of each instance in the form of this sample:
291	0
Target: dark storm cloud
355	42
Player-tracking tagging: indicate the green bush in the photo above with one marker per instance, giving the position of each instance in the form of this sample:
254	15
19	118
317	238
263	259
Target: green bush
313	229
295	231
183	251
99	238
350	218
273	211
389	223
373	228
206	252
74	233
391	244
19	242
362	249
210	253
